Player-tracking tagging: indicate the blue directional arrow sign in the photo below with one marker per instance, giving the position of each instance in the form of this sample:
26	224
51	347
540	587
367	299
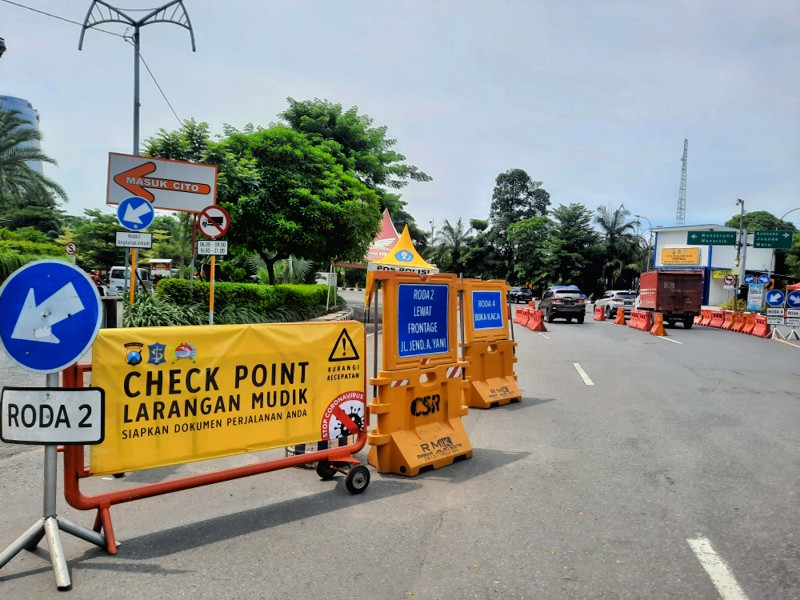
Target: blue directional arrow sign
748	279
135	213
793	299
51	315
774	298
764	278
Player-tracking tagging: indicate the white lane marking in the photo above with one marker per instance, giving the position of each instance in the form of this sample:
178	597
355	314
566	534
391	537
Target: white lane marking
583	374
721	575
544	336
667	339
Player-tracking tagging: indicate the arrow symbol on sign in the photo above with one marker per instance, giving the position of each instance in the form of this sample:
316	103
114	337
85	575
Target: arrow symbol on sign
135	180
775	297
35	322
132	214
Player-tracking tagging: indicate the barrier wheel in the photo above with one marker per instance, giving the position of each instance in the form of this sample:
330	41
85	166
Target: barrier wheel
357	479
324	469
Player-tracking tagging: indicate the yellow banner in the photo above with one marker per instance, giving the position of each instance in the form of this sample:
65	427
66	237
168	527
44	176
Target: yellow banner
680	256
181	394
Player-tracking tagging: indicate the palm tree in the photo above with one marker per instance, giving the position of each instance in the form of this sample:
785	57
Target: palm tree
451	244
622	252
20	185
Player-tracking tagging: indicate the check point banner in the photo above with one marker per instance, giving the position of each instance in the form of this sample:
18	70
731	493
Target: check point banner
181	394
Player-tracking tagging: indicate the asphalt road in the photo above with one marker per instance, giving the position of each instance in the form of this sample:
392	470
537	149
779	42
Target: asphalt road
634	467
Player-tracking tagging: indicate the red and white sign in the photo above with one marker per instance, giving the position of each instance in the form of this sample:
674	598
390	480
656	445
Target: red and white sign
167	184
214	222
729	280
71	248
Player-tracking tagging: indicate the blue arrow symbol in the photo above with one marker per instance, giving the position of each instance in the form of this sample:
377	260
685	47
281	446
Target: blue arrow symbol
35	322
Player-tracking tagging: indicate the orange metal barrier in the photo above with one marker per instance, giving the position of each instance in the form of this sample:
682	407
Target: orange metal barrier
490	372
641	319
536	320
599	313
717	318
658	325
419	419
762	328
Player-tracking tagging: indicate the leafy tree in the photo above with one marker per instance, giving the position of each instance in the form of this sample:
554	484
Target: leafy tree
26	195
307	206
515	197
573	247
530	237
97	241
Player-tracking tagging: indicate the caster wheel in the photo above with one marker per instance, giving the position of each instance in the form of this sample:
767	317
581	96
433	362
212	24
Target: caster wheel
357	479
325	471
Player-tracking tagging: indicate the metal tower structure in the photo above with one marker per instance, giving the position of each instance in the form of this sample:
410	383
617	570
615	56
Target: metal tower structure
101	12
680	218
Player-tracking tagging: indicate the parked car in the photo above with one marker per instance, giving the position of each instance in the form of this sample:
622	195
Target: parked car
520	294
119	280
615	299
563	302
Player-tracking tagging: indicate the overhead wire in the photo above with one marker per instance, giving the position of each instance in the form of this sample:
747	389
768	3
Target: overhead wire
123	36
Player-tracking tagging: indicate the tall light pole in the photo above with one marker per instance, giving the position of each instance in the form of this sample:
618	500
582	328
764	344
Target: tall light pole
650	243
786	213
172	12
432	230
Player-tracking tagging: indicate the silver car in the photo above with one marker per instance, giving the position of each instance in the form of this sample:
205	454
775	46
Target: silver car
614	299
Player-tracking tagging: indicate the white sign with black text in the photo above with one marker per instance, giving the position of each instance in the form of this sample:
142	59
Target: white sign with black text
131	239
215	247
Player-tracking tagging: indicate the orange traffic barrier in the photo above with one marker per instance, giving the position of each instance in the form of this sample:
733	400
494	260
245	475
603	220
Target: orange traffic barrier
620	318
536	320
641	319
738	322
762	328
698	319
749	323
706	315
490	373
418	419
727	323
524	316
658	325
599	313
717	318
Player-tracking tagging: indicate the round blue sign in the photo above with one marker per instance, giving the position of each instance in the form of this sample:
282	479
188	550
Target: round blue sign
793	299
51	315
774	298
764	278
135	213
749	278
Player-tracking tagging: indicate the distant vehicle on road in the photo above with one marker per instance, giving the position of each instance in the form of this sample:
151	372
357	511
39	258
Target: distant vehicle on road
563	302
678	295
612	300
520	294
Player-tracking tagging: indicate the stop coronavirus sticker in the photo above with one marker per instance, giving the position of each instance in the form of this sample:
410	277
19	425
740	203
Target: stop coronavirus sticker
344	416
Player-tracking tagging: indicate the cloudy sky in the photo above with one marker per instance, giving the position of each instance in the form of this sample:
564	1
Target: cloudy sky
592	98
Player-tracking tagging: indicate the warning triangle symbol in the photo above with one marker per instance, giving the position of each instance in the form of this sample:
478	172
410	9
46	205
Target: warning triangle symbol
344	349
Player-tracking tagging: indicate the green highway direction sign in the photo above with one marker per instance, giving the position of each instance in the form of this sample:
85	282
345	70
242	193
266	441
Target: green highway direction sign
711	238
781	238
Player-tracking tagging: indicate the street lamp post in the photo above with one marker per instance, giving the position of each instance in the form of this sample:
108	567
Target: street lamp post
650	242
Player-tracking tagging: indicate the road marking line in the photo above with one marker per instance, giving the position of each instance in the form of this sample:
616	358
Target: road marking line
787	342
721	575
583	374
544	336
666	339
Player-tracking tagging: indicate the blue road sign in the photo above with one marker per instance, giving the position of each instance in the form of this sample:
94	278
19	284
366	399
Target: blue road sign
422	319
135	213
774	298
51	315
793	299
748	279
764	278
487	310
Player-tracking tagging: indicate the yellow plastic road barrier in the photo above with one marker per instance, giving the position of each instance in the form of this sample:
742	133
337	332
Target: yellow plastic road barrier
490	373
620	318
418	419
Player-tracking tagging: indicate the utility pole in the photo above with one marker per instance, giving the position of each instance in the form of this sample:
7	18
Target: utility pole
101	12
650	243
737	261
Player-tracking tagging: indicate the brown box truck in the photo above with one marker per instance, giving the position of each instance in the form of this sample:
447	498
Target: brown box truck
678	295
